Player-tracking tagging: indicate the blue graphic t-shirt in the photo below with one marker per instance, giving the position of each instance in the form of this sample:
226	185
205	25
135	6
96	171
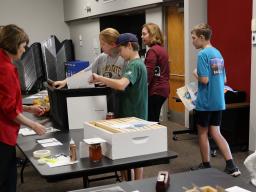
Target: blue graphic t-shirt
210	97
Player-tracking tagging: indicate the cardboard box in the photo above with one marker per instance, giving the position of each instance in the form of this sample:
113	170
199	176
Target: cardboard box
127	137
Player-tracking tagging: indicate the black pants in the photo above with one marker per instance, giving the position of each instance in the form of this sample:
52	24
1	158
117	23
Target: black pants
8	170
155	103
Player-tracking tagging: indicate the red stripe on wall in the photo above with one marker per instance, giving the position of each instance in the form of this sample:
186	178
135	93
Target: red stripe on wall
231	24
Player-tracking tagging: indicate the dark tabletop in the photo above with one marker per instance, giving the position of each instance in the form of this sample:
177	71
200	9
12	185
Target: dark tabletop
203	177
84	167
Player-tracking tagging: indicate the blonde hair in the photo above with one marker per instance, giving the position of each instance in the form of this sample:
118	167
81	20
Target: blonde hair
109	35
202	29
155	34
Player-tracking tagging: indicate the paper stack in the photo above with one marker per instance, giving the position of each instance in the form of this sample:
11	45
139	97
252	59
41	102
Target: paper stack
187	95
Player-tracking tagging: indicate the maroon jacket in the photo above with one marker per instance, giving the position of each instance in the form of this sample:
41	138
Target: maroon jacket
10	100
157	65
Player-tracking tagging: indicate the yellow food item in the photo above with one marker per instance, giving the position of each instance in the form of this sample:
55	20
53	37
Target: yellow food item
202	189
37	101
208	189
43	102
46	99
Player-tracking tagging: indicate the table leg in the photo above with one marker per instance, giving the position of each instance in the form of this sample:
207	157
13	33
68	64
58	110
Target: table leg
117	177
22	170
86	181
129	174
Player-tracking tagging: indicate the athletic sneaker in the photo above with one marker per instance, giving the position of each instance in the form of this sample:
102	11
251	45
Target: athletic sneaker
233	171
200	166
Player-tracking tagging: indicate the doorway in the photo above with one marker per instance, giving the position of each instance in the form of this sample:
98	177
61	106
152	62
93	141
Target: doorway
175	33
131	22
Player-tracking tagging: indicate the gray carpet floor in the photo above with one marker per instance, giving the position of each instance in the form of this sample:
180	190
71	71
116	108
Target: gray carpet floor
188	156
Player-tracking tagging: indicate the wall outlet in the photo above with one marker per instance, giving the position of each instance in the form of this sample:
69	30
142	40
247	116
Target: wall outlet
80	37
81	43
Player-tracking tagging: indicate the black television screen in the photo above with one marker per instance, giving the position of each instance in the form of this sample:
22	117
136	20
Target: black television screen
55	54
30	69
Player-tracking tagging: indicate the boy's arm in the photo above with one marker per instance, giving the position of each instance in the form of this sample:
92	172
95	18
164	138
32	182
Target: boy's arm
202	69
203	80
118	84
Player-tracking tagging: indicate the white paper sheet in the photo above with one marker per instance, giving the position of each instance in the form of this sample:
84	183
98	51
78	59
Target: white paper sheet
187	97
236	189
94	140
51	144
80	80
59	161
27	131
110	189
49	140
134	125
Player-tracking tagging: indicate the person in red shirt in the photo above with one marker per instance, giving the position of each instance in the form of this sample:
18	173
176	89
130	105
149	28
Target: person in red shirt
13	41
157	65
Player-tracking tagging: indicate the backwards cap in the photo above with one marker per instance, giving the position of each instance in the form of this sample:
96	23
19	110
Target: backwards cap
125	38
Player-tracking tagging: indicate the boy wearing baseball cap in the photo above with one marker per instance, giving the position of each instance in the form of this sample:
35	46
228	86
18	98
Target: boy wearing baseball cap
133	84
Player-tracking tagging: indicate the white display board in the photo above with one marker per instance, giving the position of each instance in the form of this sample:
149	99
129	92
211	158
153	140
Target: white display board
85	108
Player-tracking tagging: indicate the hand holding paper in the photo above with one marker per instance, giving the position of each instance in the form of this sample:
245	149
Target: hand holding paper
187	94
80	80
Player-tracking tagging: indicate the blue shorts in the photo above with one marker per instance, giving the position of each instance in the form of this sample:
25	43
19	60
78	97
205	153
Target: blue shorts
208	118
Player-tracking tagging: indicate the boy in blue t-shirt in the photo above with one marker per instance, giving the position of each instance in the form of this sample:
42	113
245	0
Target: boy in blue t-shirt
210	100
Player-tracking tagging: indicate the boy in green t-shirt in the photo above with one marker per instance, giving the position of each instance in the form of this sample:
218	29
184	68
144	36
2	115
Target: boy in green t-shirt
133	84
